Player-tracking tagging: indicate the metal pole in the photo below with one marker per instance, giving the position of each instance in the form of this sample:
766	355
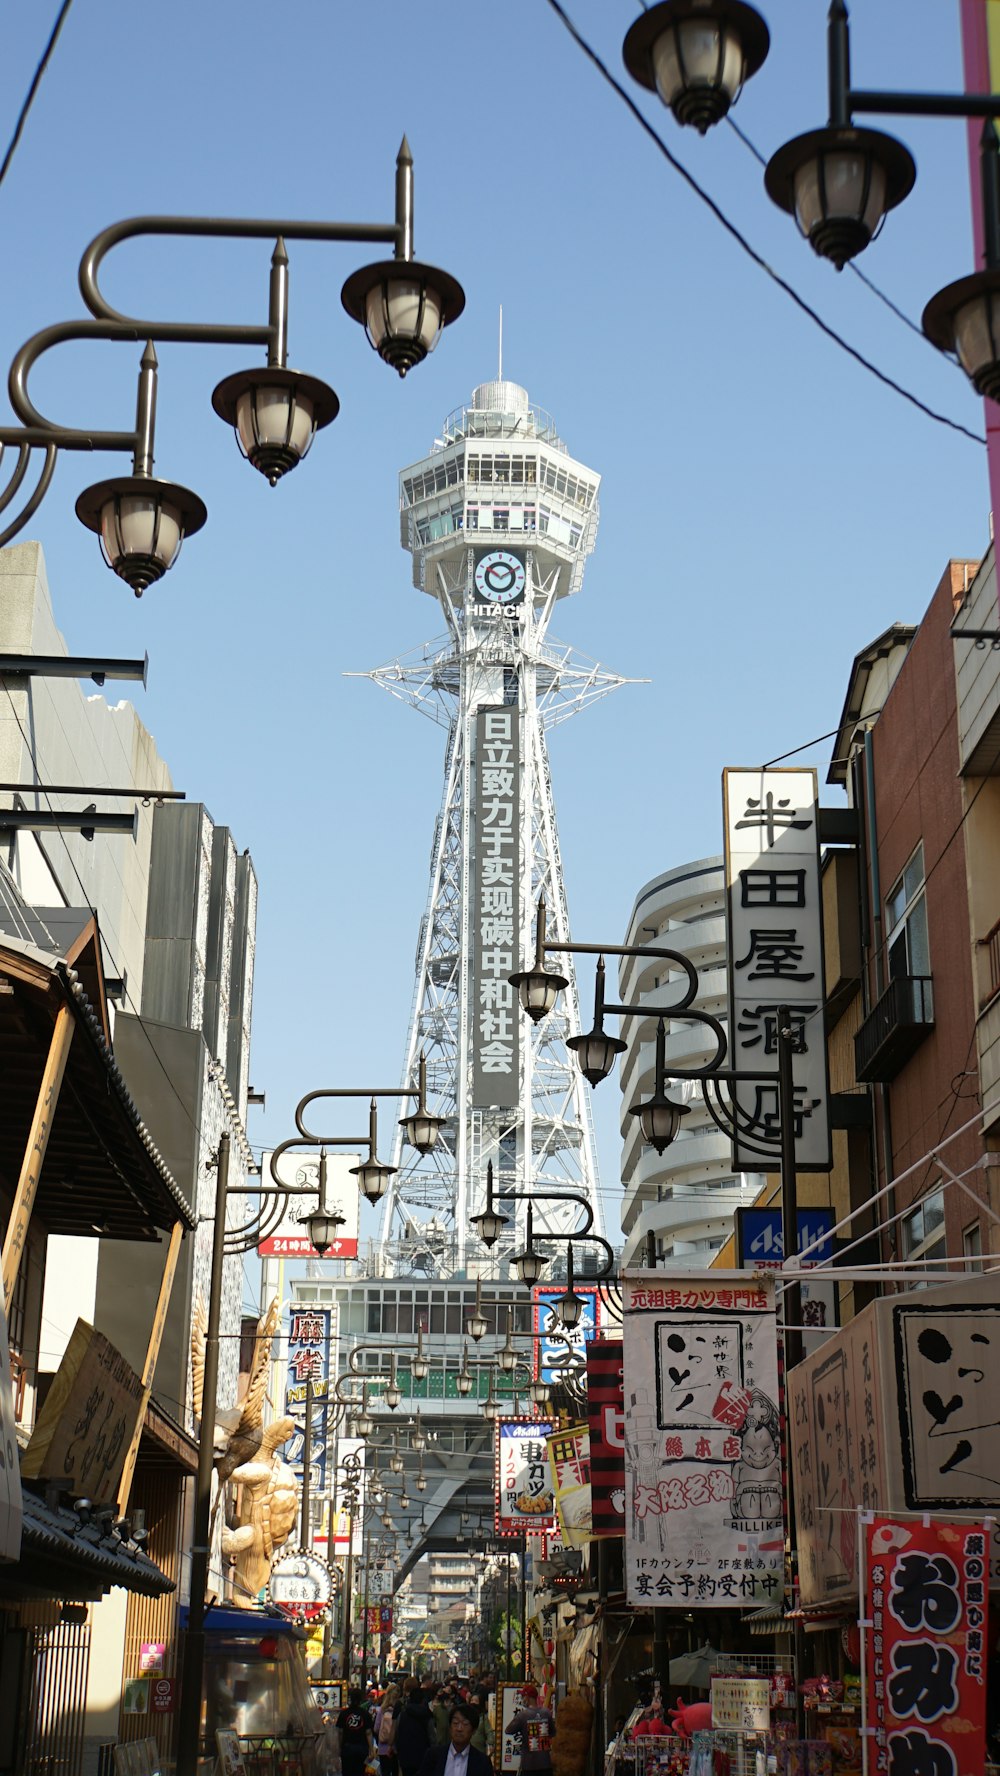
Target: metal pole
525	1673
145	413
510	1671
364	1627
838	42
789	1197
192	1670
345	1671
404	201
277	309
650	1249
989	167
307	1451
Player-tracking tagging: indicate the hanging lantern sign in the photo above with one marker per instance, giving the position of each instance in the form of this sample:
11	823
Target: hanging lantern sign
301	1585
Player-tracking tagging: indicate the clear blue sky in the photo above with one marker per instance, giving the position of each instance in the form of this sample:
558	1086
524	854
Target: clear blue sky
767	506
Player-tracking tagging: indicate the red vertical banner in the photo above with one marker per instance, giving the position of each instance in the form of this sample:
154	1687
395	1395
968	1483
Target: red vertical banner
606	1415
926	1662
981	58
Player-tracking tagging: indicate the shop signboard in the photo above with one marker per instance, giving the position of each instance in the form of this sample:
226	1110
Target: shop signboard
496	931
775	941
927	1602
569	1468
288	1239
741	1704
309	1339
135	1696
83	1432
897	1411
523	1488
301	1585
760	1245
554	1341
605	1411
161	1695
704	1524
152	1654
10	1468
510	1698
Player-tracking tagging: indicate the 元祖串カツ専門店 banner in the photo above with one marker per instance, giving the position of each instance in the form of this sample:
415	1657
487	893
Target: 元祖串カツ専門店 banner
704	1519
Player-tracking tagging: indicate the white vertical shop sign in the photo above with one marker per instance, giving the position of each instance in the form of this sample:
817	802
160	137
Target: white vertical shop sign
704	1525
775	931
496	937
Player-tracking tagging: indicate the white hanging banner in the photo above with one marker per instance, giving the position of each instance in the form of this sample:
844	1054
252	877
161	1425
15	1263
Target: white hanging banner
704	1521
775	933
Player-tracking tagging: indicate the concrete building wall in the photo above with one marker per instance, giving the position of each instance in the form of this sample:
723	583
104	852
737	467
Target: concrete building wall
687	1196
918	799
59	730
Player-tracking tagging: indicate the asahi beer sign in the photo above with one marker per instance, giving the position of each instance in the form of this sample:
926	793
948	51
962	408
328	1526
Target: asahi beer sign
704	1522
496	909
775	959
524	1501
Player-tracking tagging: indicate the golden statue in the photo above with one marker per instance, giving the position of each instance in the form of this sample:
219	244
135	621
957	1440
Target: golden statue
265	1508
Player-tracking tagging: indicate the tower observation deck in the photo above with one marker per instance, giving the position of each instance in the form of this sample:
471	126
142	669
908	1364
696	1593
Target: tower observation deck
499	519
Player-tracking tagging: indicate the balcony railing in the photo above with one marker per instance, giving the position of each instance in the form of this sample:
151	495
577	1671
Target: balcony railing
894	1028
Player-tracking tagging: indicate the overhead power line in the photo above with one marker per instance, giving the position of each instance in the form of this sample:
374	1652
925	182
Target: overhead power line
36	82
741	240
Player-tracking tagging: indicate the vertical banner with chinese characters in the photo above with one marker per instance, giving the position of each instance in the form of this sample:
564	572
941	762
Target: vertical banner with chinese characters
569	1467
524	1504
775	929
703	1510
605	1402
308	1357
496	936
926	1667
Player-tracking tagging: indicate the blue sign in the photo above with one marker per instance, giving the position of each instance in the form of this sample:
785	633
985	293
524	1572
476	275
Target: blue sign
759	1238
553	1351
308	1359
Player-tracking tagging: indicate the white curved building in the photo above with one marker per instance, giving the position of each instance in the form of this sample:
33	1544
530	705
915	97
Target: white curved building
687	1196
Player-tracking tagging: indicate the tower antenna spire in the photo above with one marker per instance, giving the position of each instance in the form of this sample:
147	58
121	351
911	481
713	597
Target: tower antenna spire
500	349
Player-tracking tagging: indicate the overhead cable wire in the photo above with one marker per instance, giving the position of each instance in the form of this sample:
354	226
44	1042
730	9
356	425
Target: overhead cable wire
741	240
36	82
854	267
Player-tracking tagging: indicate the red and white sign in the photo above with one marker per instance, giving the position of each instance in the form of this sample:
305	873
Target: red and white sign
301	1171
927	1585
161	1695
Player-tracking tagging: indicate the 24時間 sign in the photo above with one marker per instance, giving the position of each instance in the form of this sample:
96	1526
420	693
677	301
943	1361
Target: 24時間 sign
926	1665
775	959
496	937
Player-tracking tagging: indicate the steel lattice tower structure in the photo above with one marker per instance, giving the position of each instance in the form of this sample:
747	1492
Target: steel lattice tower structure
499	520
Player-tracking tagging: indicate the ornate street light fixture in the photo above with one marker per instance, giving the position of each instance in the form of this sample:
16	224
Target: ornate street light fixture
492	1408
508	1355
372	1174
463	1380
964	317
488	1223
141	521
418	1436
529	1264
392	1393
659	1117
597	1052
420	1128
840	184
274	410
570	1306
322	1224
477	1324
696	54
419	1367
538	987
538	1392
364	1424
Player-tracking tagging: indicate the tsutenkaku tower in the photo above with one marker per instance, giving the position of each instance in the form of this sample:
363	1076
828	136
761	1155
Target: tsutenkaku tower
499	520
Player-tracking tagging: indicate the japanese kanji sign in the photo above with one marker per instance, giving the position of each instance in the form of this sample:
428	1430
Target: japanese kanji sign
524	1503
605	1403
926	1666
496	937
569	1468
84	1428
775	931
289	1238
552	1351
946	1360
308	1359
703	1510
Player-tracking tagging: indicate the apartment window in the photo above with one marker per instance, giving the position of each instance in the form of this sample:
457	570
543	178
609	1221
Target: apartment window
906	921
922	1230
972	1246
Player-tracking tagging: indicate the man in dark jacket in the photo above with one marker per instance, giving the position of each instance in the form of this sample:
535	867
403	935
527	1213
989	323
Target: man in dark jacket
459	1757
414	1728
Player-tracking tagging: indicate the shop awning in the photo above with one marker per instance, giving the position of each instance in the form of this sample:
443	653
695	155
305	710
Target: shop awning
63	1557
102	1173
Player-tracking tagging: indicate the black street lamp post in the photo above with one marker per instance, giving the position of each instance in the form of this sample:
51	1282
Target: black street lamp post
402	304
